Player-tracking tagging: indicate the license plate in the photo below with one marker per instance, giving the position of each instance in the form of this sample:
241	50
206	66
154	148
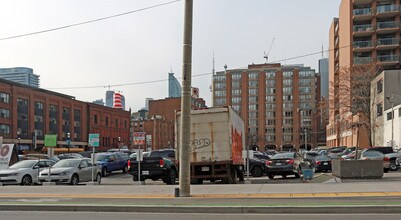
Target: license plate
205	169
145	172
325	163
278	164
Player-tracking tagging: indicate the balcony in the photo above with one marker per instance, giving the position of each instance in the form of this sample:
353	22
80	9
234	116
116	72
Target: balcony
384	11
361	2
362	60
387	27
363	46
362	14
387	43
388	59
363	30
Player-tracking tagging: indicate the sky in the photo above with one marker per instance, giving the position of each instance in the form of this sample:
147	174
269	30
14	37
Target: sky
134	53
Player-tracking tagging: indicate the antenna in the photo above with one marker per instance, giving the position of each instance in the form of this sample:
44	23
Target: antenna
268	52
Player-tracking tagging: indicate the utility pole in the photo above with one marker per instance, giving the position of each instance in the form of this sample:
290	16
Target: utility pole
185	129
391	100
306	139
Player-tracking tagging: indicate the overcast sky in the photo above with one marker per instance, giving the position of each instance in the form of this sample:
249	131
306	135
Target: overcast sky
144	46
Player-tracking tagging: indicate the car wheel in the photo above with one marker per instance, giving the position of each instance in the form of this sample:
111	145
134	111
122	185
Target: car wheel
26	180
74	180
171	177
104	171
393	166
271	176
256	172
99	178
125	169
385	170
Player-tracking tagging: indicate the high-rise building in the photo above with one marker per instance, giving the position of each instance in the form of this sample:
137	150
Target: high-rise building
99	102
366	31
21	75
324	77
277	103
110	99
174	87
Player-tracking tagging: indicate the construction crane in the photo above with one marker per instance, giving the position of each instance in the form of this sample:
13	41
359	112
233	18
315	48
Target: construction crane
268	52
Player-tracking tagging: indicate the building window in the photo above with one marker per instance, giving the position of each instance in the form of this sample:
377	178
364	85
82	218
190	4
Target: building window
253	99
237	108
236	100
271	91
219	77
270	130
236	92
288	121
252	114
288	98
253	91
379	109
236	84
220	93
389	116
270	82
270	74
253	122
4	129
271	106
220	101
379	86
125	124
4	113
270	122
287	90
270	114
287	82
288	114
304	89
38	105
220	85
270	138
236	76
270	98
253	107
4	97
253	83
253	75
95	119
287	137
288	74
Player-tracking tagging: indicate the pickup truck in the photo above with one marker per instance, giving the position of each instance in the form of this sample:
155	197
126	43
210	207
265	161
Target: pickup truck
159	164
110	162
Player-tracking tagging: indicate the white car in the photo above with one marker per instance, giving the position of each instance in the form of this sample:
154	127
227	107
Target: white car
24	172
72	171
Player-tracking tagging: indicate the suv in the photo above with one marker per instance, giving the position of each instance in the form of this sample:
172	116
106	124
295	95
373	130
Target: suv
110	162
389	152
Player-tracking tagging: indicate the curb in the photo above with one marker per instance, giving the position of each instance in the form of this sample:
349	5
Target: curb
214	209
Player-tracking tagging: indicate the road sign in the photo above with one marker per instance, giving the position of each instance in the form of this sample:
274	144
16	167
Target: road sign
93	140
50	140
139	138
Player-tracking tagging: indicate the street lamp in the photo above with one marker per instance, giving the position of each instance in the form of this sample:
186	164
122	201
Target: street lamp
390	99
19	138
68	141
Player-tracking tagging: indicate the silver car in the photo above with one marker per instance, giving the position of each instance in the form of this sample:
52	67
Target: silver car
24	172
72	171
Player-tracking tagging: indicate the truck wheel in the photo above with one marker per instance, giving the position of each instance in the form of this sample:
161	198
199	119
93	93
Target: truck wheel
125	169
393	166
170	180
234	177
241	176
104	171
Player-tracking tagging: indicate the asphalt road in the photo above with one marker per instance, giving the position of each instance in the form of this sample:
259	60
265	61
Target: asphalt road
151	216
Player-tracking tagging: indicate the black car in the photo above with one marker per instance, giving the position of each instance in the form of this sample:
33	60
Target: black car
322	163
284	164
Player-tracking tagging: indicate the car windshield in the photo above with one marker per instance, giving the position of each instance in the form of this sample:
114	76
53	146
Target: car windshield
372	154
24	164
103	157
67	163
283	156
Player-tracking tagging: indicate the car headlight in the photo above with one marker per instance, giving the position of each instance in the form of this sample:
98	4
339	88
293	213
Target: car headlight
65	173
13	174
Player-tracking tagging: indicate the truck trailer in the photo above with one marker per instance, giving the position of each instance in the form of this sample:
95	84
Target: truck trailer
217	141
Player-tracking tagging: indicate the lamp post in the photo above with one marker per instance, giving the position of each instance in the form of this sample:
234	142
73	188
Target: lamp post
390	99
68	141
19	138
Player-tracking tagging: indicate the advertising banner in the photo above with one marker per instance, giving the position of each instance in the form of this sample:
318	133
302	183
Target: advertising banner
5	155
139	138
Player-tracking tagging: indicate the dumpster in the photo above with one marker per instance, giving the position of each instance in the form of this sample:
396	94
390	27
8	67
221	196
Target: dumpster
307	174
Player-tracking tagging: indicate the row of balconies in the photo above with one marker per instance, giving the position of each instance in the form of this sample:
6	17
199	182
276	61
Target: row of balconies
384	43
380	10
384	26
381	59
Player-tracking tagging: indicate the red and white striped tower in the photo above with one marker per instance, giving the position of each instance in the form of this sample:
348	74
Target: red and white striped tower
117	100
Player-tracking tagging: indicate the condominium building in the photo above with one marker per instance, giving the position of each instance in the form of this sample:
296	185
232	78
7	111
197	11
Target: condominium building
277	103
366	31
21	75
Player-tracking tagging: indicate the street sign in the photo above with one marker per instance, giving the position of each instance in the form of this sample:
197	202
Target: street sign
139	138
93	140
50	140
6	151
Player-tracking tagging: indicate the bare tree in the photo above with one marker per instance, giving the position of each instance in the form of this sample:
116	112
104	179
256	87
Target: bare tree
351	97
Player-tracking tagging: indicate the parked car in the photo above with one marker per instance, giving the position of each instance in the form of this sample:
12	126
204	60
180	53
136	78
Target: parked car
257	167
261	155
144	154
72	171
110	162
271	152
123	150
375	155
24	172
284	164
69	156
310	155
388	151
40	156
322	163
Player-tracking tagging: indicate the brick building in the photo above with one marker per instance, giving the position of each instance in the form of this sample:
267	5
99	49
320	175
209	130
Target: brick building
277	103
26	111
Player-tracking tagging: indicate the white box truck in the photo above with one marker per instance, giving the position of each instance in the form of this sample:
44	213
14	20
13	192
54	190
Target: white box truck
217	140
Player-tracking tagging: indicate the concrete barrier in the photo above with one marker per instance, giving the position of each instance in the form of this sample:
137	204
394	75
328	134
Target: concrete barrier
357	169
